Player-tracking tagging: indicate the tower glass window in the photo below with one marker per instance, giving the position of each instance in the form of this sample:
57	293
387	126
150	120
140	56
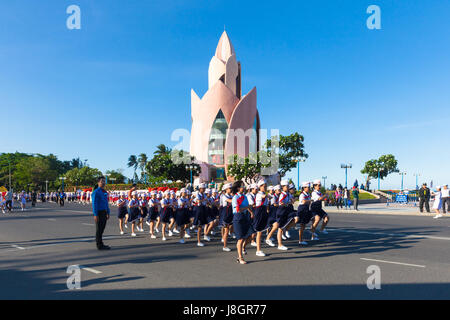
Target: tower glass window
217	138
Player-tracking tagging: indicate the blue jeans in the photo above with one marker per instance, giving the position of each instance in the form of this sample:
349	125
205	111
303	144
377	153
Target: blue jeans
346	204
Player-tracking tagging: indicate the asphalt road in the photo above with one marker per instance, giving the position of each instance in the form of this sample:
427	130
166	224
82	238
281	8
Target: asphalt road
38	245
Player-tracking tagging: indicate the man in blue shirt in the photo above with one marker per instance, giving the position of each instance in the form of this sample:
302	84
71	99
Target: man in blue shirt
100	209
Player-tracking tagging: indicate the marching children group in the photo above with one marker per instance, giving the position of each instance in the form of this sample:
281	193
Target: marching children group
253	217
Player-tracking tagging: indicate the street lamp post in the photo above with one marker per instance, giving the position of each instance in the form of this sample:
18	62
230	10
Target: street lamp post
46	187
324	182
402	174
298	160
190	167
346	167
417	175
62	180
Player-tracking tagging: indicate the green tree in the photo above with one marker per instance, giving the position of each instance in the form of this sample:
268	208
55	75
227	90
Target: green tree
133	163
142	163
247	169
386	165
289	149
117	175
32	172
85	176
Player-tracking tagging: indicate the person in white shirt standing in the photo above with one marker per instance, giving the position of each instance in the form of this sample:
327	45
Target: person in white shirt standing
445	198
437	203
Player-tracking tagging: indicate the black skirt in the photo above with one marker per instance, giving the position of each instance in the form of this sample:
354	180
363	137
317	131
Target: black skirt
260	219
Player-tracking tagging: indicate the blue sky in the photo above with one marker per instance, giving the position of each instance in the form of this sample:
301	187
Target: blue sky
103	92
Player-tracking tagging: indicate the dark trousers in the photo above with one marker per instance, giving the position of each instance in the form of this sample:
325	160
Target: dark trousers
339	203
61	202
9	205
445	200
100	227
427	205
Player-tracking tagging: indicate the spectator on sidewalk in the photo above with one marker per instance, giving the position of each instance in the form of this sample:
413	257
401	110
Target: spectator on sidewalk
338	197
424	198
346	197
437	205
355	194
9	198
445	198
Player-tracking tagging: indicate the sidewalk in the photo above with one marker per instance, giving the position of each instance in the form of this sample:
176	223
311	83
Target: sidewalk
382	208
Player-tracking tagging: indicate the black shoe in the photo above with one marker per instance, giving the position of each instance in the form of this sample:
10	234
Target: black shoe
103	247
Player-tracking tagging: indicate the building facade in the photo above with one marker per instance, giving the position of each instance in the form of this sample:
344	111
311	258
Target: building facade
224	122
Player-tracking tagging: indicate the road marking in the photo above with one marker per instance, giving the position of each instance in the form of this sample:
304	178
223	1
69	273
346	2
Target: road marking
412	236
17	247
393	262
51	219
90	270
89	224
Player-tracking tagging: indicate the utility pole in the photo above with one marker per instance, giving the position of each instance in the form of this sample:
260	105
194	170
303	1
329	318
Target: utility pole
346	167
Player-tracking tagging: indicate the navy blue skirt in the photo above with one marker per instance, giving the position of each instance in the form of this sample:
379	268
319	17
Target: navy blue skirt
226	216
200	216
182	217
212	214
292	213
242	225
166	215
153	214
283	216
122	212
144	212
316	209
272	216
304	214
260	219
135	214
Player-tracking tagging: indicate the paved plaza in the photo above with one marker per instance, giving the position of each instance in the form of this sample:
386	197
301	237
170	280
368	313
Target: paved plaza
38	245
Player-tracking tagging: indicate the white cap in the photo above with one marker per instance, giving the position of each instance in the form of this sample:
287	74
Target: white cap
202	186
208	191
227	186
305	184
270	188
284	182
291	186
438	187
214	190
183	190
177	193
277	187
316	182
253	186
261	182
166	192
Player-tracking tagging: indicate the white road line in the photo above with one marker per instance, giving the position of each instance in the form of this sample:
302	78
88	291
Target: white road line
17	247
415	236
89	224
90	270
392	262
51	219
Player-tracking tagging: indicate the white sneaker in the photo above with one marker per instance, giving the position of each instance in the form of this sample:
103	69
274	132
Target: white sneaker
226	249
176	231
283	237
270	243
253	244
200	244
283	248
212	232
170	233
206	238
164	239
156	230
303	243
324	232
438	216
133	234
187	236
287	234
221	240
260	254
182	241
121	232
234	236
153	236
126	226
142	230
147	223
314	238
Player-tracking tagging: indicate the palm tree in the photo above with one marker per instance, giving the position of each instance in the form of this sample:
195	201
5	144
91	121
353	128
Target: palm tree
161	150
133	163
142	162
